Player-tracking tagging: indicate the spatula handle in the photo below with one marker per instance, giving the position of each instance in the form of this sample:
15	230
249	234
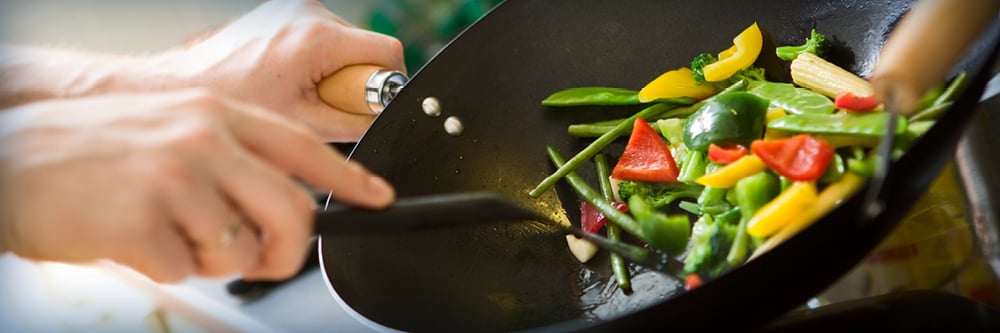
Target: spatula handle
361	89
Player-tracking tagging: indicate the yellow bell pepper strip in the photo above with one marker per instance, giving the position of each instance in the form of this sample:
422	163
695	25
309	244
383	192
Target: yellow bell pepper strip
746	47
675	84
770	133
796	202
831	197
727	176
774	113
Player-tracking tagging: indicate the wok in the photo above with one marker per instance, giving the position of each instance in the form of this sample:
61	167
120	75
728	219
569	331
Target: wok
521	276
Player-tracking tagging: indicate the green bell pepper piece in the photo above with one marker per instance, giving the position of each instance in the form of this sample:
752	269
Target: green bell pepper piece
834	171
751	193
731	118
667	233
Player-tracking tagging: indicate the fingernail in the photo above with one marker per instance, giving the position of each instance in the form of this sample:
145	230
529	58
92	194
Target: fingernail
379	188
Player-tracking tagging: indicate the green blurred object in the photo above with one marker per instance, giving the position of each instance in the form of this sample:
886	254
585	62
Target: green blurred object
425	26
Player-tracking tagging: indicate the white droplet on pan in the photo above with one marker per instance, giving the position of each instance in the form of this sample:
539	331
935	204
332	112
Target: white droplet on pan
431	106
453	126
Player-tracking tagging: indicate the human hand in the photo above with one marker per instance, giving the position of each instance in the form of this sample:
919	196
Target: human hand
160	183
275	56
925	45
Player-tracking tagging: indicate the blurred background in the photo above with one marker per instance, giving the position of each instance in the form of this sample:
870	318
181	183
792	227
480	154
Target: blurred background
140	26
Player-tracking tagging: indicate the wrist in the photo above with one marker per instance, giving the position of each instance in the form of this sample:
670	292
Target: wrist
34	74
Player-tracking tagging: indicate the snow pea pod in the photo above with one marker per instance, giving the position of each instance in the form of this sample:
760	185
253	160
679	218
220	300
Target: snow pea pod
592	96
603	96
791	99
868	124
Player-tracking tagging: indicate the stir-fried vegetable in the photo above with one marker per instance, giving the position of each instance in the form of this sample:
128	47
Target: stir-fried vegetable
724	165
729	118
597	145
658	195
848	101
743	53
868	124
729	175
668	233
592	96
816	44
792	99
752	193
799	158
675	84
646	157
725	155
618	264
810	71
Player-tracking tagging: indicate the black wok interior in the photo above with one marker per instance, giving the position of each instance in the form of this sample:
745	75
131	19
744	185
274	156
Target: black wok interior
505	277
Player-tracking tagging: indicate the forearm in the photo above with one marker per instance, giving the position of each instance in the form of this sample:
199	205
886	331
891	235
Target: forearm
31	74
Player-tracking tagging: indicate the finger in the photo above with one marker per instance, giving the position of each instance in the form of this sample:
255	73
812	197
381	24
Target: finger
161	253
298	151
281	209
335	125
237	249
202	212
359	46
951	26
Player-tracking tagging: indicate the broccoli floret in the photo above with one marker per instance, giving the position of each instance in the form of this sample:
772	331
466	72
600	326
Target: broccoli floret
816	44
698	66
710	243
658	194
698	72
750	74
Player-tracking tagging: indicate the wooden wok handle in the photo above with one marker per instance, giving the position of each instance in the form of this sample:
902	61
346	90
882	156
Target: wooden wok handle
360	89
925	45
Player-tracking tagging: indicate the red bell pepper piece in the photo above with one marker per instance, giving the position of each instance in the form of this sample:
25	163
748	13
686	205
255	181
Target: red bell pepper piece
727	154
591	220
799	158
692	281
848	101
646	157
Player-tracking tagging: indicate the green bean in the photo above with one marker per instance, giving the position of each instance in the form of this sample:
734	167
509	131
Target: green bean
693	166
588	130
595	199
933	112
943	101
596	129
955	87
618	265
596	147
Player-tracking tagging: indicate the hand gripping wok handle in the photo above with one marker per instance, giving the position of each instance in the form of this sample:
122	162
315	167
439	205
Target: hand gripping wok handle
925	45
248	291
361	89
